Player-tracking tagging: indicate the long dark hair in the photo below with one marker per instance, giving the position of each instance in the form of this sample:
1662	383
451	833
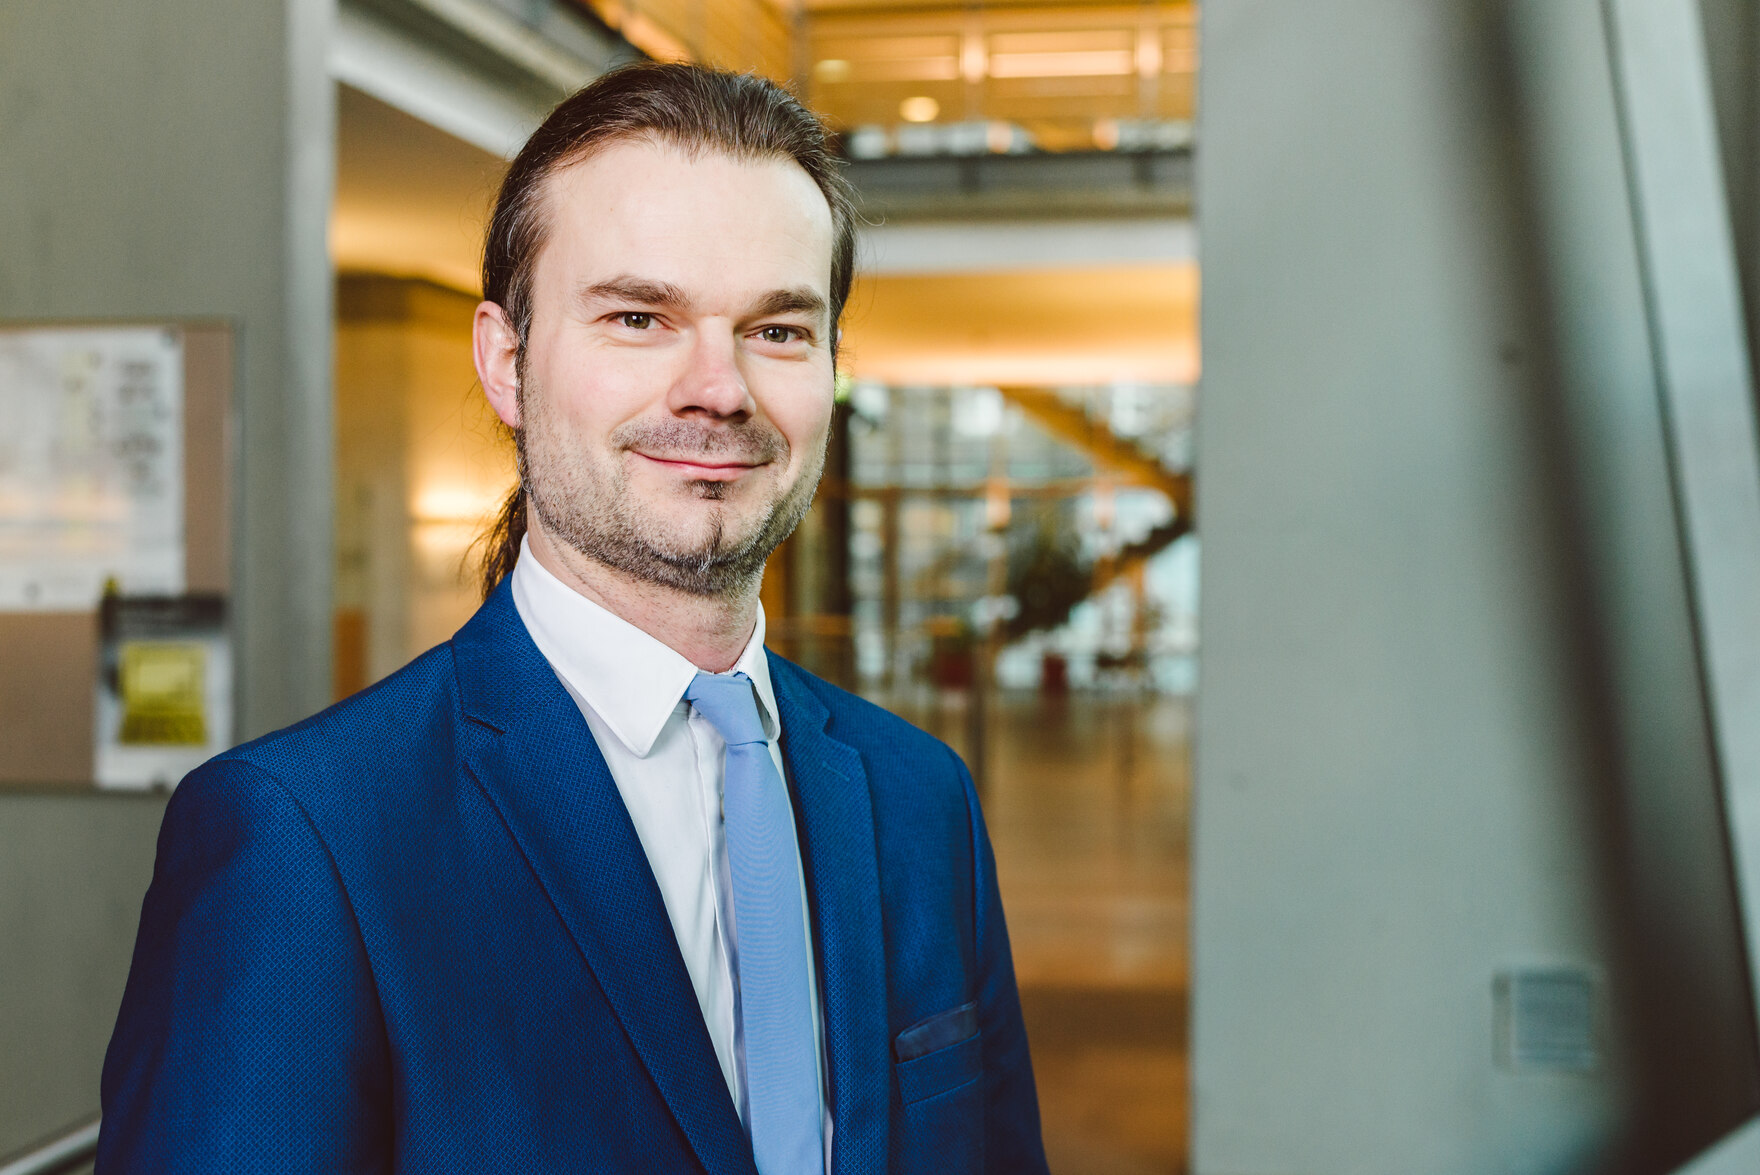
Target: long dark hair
685	105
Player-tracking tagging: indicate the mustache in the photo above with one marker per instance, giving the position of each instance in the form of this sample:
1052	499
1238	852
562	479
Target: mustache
756	441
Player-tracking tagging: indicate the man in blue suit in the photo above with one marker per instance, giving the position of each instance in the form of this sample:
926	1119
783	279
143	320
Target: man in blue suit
600	885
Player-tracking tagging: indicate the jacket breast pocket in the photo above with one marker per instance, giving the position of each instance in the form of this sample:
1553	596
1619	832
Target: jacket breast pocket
941	1127
941	1071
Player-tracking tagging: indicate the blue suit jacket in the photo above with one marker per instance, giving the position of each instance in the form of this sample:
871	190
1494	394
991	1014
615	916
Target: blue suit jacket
417	933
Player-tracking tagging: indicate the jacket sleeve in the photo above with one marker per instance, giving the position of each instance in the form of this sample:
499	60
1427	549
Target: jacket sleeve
1012	1141
250	1036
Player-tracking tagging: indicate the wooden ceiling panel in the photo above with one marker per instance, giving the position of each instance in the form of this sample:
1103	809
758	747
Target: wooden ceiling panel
846	7
1076	64
1086	325
1021	94
1063	41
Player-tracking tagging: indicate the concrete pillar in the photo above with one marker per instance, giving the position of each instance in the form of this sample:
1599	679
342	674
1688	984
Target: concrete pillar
170	160
1451	734
175	160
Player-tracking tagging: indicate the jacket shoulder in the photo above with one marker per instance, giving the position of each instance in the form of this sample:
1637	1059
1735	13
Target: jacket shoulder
387	723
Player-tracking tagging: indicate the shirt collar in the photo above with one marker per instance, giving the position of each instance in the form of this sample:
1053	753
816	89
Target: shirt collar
632	680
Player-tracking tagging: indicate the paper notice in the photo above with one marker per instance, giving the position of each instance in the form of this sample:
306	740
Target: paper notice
164	688
91	465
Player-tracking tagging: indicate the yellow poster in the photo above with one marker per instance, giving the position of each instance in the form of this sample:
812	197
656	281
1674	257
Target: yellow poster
163	693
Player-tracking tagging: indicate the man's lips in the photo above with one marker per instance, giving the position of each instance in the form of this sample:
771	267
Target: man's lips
701	468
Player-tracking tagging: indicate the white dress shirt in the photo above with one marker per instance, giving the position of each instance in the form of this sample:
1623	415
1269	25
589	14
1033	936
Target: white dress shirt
668	763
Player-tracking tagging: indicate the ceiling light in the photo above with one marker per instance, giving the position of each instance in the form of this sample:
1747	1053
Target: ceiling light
920	108
974	63
832	69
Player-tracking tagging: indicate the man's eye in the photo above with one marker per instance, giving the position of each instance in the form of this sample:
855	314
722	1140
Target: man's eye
636	321
779	334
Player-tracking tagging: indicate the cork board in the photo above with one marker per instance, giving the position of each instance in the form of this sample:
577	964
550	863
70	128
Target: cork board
49	660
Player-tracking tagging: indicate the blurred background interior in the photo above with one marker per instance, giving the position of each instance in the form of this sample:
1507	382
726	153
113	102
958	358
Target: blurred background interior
1477	654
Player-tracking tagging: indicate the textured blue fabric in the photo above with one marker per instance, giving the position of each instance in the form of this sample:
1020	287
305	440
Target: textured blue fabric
937	1032
417	933
775	977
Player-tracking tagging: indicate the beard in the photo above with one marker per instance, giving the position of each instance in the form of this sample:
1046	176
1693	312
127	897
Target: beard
590	506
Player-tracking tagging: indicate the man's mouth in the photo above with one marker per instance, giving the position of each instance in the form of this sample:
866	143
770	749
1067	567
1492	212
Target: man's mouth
701	468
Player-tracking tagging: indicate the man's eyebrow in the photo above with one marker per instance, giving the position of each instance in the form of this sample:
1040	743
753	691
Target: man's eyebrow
640	290
648	292
797	300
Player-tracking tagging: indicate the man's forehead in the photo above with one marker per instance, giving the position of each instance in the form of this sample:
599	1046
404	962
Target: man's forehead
665	214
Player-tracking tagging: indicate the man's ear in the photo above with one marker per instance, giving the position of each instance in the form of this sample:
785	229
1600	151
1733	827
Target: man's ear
495	346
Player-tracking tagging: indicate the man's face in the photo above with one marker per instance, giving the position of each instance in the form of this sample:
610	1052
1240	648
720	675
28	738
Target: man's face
676	391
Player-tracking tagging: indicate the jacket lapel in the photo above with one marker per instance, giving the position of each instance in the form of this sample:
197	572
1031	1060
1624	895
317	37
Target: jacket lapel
836	815
534	756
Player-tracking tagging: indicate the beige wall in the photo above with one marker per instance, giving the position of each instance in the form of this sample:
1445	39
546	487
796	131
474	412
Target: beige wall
421	465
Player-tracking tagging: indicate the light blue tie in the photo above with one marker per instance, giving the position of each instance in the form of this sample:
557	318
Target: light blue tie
775	977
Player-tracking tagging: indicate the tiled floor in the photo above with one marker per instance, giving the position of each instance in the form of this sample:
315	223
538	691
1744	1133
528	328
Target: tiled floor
1087	801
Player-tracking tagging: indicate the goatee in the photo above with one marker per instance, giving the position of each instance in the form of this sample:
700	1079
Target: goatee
597	516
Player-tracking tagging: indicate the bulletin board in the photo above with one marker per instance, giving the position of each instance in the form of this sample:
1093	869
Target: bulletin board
114	477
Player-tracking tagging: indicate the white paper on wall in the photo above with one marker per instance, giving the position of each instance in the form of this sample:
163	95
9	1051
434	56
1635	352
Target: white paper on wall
91	465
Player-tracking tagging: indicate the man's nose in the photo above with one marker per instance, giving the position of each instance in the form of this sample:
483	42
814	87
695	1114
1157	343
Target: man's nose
712	383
